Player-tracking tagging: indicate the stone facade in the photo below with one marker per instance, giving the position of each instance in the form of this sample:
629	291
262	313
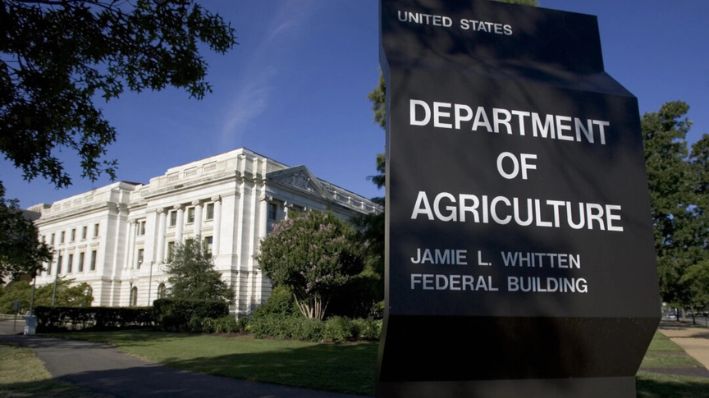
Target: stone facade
118	238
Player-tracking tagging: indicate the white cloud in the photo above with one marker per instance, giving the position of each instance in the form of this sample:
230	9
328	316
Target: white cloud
255	85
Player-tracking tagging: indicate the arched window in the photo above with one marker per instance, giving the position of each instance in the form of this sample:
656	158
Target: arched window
162	291
133	297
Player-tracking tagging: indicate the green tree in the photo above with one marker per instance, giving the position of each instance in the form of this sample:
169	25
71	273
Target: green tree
314	254
59	58
696	279
20	251
192	275
66	295
677	184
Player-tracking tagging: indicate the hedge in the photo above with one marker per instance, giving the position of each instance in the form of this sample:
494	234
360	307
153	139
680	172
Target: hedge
186	315
53	319
336	329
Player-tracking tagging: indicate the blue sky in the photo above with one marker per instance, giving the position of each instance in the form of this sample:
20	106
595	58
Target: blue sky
295	89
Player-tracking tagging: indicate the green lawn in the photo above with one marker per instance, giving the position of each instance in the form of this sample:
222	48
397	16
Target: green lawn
664	354
345	367
22	374
335	367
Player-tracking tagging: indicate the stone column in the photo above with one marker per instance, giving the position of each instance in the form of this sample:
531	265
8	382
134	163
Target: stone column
217	224
197	218
180	223
160	249
131	245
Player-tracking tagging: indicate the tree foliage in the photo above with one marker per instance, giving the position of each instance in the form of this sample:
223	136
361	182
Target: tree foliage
677	180
20	251
58	57
67	295
313	254
192	275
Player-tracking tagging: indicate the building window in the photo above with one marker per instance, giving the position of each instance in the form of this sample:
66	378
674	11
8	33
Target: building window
96	230
51	242
93	260
133	296
170	251
190	215
70	264
272	211
81	262
173	218
61	240
59	265
162	291
210	211
274	215
73	235
208	243
139	259
84	232
140	231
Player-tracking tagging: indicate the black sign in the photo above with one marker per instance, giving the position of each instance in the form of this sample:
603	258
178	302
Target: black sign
519	235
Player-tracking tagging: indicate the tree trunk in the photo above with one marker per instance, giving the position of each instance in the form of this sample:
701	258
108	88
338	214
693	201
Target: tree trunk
312	307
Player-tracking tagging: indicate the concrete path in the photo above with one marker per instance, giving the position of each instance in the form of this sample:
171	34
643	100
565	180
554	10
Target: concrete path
695	341
105	370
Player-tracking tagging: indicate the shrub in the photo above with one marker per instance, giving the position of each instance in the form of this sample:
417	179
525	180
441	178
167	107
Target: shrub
338	329
56	319
335	329
186	315
280	302
367	329
225	324
286	327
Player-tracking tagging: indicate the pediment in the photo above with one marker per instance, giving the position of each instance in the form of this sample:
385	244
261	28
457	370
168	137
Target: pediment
299	178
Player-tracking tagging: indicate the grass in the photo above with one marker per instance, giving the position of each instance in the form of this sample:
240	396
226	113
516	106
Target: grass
23	375
665	355
334	367
347	367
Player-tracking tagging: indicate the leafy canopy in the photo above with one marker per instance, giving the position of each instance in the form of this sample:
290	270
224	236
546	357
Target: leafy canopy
20	251
58	57
20	291
313	254
677	179
192	275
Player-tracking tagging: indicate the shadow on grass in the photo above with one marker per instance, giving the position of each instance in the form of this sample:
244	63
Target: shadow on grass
347	368
123	338
47	388
677	388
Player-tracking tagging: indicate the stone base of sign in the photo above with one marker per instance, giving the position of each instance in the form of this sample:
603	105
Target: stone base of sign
605	387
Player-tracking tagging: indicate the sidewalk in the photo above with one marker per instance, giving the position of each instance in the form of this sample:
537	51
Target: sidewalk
105	370
695	341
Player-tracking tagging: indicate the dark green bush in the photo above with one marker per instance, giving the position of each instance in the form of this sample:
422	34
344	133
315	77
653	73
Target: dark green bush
338	329
367	329
225	324
186	315
280	302
335	329
286	327
56	319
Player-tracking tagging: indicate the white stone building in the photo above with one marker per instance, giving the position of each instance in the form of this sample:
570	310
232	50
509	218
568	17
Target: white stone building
117	238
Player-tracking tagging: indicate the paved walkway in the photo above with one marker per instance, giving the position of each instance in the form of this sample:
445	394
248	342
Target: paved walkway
105	370
695	341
